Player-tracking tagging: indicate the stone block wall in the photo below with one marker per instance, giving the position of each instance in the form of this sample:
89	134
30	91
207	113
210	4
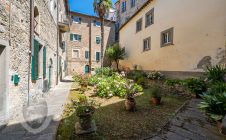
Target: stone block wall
15	29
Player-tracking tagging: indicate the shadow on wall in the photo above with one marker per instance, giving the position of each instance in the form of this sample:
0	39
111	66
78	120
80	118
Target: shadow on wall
110	41
206	60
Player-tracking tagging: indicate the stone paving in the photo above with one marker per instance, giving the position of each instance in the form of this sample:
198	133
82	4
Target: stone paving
190	124
55	104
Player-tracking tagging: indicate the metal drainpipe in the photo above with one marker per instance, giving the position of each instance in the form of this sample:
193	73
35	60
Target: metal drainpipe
90	45
31	45
57	43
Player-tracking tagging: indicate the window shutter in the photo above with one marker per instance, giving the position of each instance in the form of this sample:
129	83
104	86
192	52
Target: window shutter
97	56
79	38
71	37
44	62
34	71
86	54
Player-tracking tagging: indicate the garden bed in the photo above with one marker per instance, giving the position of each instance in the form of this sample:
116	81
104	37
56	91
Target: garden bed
113	122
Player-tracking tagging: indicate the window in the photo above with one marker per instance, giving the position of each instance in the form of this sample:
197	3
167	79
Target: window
36	21
167	37
75	54
139	25
149	18
98	39
75	37
87	54
76	19
97	23
146	44
63	46
97	56
123	6
133	3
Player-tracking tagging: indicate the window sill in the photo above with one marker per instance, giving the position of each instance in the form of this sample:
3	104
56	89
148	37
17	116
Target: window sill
168	44
146	50
148	25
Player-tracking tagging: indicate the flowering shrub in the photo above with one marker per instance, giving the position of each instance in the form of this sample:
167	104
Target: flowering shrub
106	71
115	85
155	75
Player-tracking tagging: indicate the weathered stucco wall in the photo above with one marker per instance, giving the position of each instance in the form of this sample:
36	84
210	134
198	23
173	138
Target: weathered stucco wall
199	36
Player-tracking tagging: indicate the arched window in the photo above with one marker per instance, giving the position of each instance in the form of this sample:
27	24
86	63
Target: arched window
36	21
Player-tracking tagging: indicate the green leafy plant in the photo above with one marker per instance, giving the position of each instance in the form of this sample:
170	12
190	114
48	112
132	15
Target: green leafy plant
115	53
136	74
93	80
155	92
155	75
84	106
196	86
219	87
214	105
173	82
141	81
105	71
216	73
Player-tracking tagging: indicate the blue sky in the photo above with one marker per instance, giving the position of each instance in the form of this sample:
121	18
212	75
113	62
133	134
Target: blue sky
83	6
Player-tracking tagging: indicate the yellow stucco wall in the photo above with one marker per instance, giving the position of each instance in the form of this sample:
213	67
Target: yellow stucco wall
199	31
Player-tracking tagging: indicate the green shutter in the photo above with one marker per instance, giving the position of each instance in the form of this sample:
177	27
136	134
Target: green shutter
98	39
97	56
79	38
86	54
71	37
44	62
34	71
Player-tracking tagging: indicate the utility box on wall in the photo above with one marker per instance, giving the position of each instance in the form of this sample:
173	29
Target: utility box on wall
15	79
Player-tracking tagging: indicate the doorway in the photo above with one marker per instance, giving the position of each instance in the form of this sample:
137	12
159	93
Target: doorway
86	69
3	80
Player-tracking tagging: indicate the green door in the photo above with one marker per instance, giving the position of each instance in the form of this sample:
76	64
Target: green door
87	69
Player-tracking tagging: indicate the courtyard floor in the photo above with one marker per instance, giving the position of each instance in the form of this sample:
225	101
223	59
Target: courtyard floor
190	124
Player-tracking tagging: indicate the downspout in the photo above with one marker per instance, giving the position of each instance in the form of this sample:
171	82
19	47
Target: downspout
10	6
57	44
31	46
90	45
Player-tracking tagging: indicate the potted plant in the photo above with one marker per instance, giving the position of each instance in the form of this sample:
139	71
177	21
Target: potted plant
84	81
84	111
130	102
156	95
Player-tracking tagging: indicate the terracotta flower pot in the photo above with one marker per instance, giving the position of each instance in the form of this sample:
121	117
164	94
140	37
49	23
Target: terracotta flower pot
156	101
130	104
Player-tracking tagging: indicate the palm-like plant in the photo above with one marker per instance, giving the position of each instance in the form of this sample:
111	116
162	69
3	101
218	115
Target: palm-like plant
115	53
102	7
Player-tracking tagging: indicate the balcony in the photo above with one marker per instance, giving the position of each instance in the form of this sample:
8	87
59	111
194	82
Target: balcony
64	24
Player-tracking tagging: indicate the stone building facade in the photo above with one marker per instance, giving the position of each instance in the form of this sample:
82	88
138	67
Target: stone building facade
85	34
15	49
